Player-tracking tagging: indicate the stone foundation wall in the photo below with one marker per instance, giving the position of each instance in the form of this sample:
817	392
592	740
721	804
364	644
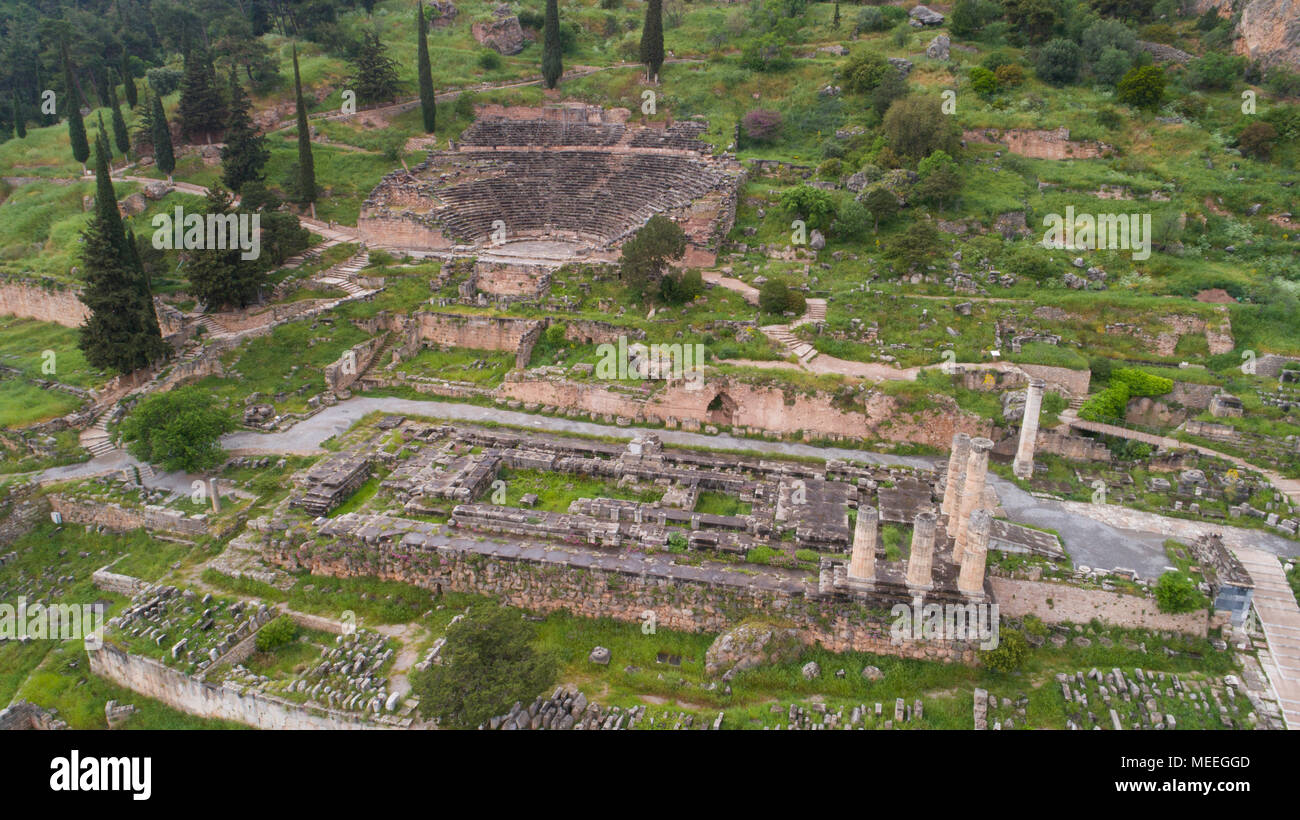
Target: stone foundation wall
501	279
761	409
116	582
21	516
1060	603
587	331
838	624
479	332
152	679
125	519
380	230
34	300
1076	448
341	375
1060	379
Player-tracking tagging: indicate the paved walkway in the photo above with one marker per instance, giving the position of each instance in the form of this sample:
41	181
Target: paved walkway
1275	604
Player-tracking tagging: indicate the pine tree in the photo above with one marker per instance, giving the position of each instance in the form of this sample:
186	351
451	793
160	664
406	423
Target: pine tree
202	109
428	100
121	332
652	39
375	75
76	126
213	273
552	62
120	135
245	153
20	118
163	155
128	82
306	165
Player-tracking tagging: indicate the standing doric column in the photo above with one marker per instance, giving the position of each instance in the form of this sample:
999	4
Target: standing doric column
1023	466
863	565
922	558
972	491
971	579
956	470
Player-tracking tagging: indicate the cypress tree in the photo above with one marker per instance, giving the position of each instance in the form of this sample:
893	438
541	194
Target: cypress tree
163	155
128	82
306	165
121	332
20	118
245	152
552	63
202	109
652	39
76	126
101	81
120	135
835	21
428	100
101	137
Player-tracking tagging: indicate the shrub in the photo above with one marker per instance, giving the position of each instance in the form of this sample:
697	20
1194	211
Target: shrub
777	297
1111	66
761	125
1142	87
1256	140
917	127
1176	592
680	288
1215	71
1058	62
870	18
1009	655
1009	75
1140	383
996	60
1107	34
279	632
813	205
1281	80
464	105
767	54
807	555
164	80
983	81
489	60
830	169
864	70
852	221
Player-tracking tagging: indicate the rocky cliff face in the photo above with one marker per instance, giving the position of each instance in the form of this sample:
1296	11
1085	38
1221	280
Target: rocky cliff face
1269	32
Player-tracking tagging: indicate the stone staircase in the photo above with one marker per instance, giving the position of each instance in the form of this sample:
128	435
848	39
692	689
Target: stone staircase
793	344
814	312
212	327
96	438
343	276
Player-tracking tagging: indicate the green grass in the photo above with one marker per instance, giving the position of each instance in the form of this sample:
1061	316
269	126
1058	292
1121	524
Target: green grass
716	503
556	491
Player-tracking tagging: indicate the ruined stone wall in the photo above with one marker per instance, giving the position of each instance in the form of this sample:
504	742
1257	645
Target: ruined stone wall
153	679
47	302
838	624
1060	379
1076	448
757	409
341	375
24	715
590	332
22	515
378	229
480	332
502	279
1061	603
116	582
125	519
1192	396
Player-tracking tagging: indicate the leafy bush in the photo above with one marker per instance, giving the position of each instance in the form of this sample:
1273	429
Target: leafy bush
983	81
679	288
807	555
813	205
1281	80
1142	87
279	632
1106	406
1177	592
852	221
777	297
1009	655
1009	75
1215	71
1058	62
1111	66
1256	140
489	60
871	18
1140	383
179	429
164	80
864	70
